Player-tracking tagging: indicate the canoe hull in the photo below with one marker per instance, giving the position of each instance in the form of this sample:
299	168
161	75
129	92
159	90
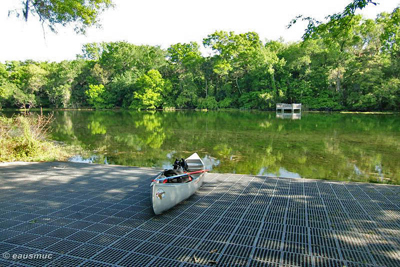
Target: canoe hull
166	196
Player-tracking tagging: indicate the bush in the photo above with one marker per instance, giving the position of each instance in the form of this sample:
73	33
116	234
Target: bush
207	103
23	138
99	97
225	103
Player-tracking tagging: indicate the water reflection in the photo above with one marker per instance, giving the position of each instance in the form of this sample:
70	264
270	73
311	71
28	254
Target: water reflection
209	162
327	146
90	159
378	169
282	172
292	116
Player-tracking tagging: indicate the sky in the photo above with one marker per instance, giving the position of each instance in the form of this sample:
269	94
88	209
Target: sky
163	23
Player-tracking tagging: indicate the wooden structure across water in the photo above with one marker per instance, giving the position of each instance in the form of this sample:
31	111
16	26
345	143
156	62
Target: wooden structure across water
288	111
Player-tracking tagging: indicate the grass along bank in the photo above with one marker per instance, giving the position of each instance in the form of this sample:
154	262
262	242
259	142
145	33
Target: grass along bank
24	138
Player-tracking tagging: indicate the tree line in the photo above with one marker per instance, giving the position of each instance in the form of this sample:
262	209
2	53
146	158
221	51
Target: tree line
351	67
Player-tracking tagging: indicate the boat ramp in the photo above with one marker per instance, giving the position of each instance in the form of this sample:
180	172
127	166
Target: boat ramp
101	215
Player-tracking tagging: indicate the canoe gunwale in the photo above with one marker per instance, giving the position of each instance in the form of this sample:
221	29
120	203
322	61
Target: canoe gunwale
190	174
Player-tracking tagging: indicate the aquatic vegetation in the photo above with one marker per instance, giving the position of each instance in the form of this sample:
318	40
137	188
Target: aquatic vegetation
24	138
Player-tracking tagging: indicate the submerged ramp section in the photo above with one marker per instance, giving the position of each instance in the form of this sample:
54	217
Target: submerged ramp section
96	215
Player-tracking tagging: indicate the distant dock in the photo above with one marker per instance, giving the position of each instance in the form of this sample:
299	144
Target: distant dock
101	215
290	111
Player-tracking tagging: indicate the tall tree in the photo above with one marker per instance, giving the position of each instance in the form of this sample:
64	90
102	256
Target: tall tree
149	91
7	88
186	62
235	54
29	77
118	57
60	79
339	20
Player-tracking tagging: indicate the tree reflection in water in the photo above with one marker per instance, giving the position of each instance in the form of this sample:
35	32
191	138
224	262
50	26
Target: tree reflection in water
323	146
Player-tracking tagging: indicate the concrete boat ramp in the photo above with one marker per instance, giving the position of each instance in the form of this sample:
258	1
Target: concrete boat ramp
71	214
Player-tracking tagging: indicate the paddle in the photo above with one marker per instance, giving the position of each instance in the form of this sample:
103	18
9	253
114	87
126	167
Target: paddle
157	175
181	175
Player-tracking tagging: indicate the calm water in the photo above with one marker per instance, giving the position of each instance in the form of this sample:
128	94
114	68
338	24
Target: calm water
323	146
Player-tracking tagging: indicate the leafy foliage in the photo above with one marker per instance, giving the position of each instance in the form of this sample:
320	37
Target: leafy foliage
80	13
149	89
24	138
346	63
337	20
98	96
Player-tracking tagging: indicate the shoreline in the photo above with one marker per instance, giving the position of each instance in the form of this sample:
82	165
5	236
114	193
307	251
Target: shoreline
101	165
200	110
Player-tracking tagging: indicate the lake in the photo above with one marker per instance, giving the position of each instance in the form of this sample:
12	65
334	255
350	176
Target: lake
353	147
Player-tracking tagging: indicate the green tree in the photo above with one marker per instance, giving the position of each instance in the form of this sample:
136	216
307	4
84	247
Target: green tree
118	57
149	89
245	69
79	13
92	51
29	77
7	88
121	88
390	38
98	96
339	20
189	79
60	80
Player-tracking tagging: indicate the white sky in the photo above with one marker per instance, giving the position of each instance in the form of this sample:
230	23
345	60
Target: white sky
166	22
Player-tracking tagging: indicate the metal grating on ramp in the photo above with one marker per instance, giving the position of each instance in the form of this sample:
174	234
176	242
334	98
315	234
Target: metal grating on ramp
96	215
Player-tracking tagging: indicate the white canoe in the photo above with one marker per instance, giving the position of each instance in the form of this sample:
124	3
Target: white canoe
166	195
